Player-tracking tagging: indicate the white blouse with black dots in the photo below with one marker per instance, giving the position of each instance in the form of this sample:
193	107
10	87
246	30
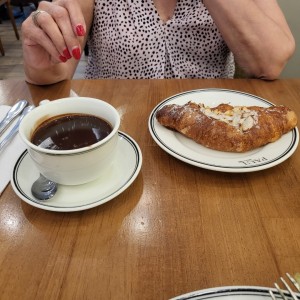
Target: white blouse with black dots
129	40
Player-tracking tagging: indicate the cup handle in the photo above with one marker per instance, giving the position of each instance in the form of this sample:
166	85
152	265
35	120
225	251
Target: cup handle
43	102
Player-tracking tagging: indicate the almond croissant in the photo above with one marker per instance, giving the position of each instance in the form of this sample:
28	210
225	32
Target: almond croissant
228	128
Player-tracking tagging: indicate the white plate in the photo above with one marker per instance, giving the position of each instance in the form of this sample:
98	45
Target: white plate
192	153
232	292
112	181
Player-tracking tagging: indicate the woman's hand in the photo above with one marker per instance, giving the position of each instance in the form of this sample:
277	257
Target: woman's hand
52	35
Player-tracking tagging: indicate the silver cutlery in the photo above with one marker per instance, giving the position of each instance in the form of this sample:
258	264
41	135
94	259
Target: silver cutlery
42	188
12	114
15	128
286	294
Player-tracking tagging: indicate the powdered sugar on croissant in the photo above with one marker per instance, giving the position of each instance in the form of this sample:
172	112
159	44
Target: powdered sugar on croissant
228	128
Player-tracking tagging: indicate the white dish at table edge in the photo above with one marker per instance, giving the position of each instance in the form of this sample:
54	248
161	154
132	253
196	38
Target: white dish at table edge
192	153
112	182
232	292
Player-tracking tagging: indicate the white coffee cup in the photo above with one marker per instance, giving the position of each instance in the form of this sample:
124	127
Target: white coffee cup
76	166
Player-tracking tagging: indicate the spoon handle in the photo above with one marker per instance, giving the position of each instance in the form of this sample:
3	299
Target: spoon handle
15	129
11	114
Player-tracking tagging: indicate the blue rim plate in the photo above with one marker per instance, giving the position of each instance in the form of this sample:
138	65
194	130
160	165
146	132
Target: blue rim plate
192	153
112	181
233	293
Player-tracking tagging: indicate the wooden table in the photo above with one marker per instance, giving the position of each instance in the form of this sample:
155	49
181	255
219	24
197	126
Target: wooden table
176	229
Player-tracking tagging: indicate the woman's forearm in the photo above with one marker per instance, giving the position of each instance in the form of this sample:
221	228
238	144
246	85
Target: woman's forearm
256	32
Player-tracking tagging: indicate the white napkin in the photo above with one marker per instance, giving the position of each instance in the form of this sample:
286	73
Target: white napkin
10	154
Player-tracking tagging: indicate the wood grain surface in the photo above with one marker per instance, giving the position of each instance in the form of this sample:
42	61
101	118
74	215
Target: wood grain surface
176	229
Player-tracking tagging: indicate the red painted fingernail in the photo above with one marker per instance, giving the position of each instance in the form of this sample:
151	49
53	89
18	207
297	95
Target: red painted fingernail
62	58
67	54
76	53
80	30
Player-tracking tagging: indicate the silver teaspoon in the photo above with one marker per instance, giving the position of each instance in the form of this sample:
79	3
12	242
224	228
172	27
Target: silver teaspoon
15	128
43	188
12	113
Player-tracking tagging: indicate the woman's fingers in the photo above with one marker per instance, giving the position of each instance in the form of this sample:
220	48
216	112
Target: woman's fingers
49	32
38	49
57	27
76	17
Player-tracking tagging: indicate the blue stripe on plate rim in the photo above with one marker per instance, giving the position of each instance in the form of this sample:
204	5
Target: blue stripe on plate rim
290	147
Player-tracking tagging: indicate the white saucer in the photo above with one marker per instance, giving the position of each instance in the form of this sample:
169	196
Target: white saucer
112	181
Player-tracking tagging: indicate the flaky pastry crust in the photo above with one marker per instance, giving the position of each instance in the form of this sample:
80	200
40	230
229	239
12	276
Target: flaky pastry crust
228	128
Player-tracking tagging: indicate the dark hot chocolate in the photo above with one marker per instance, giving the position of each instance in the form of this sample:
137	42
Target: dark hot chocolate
70	131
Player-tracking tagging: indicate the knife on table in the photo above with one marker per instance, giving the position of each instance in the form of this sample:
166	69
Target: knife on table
15	128
11	114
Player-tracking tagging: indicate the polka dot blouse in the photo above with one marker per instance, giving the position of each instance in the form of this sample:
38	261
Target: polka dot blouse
128	40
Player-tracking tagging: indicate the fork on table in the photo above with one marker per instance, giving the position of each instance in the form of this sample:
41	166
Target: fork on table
288	293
